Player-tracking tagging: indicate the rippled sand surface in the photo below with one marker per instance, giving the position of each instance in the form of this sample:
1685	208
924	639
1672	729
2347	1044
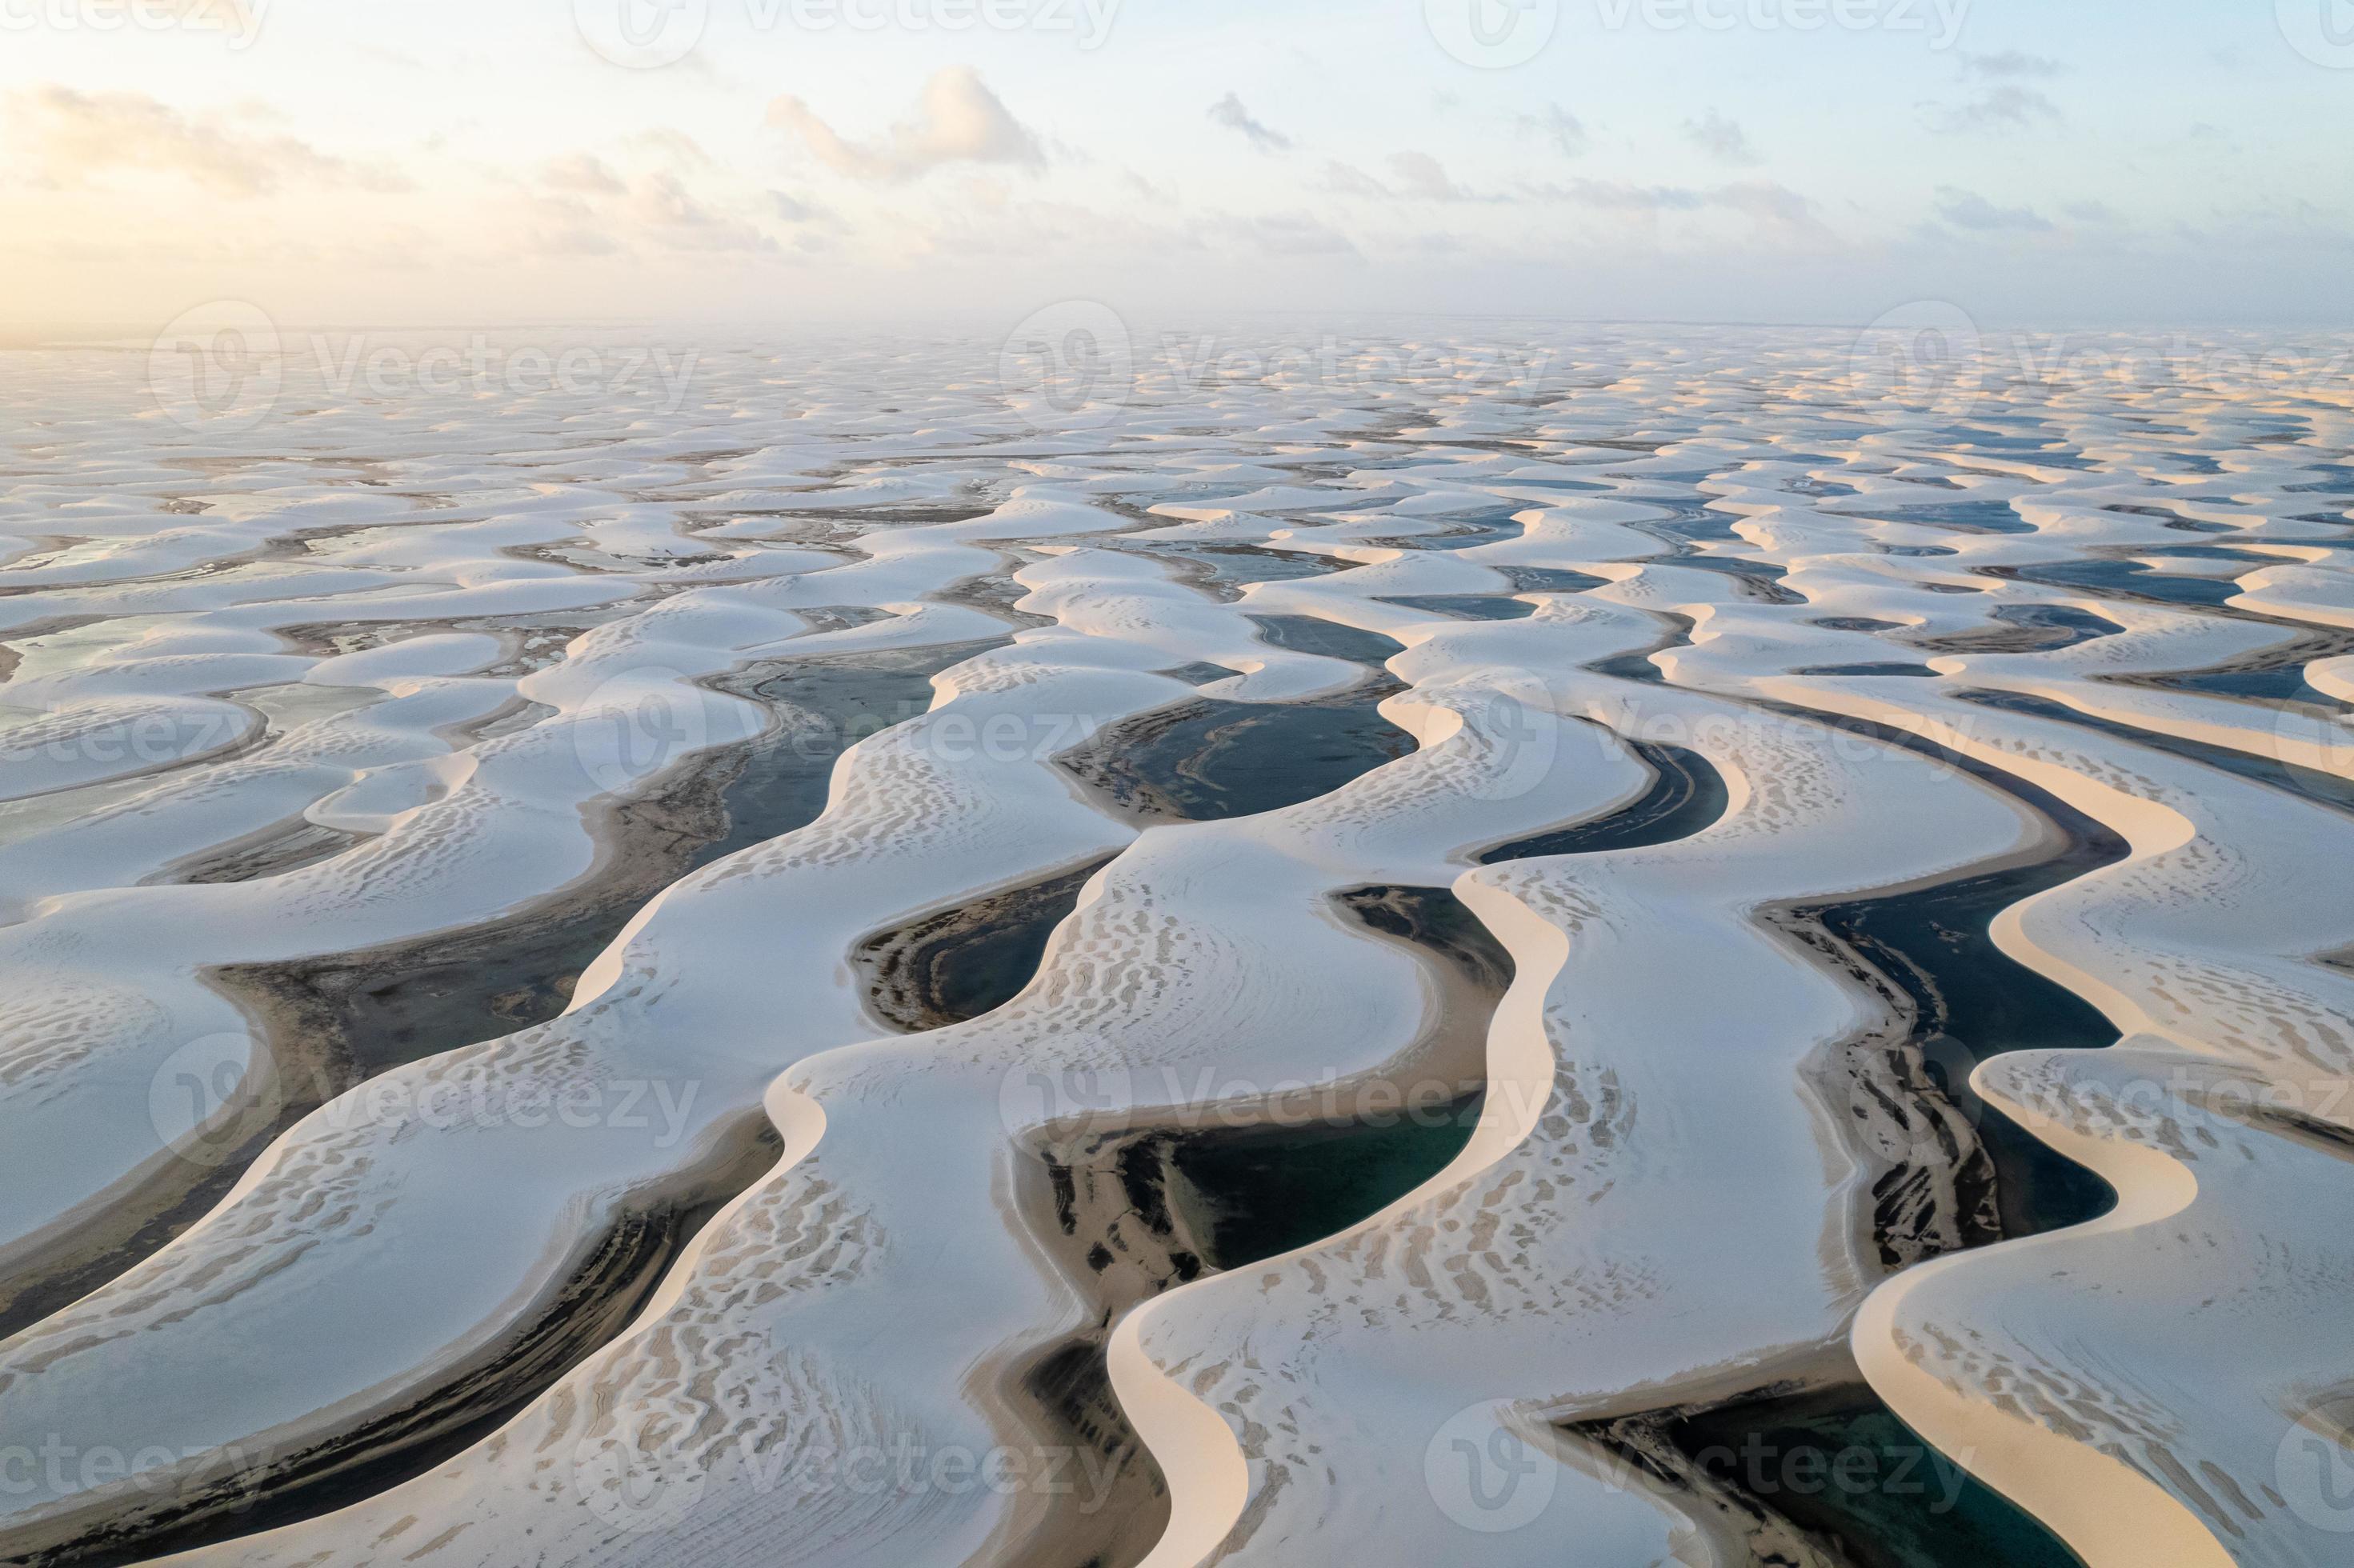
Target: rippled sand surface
840	965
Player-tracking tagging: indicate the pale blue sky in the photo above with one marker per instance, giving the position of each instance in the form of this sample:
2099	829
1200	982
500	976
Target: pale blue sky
2060	161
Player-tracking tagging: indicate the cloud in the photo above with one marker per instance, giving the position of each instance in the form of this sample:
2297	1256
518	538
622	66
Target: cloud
1347	179
1777	206
1229	112
958	121
1620	196
1967	209
1287	233
677	148
2007	108
2011	63
400	58
582	173
792	209
1616	195
1721	139
1415	176
557	236
2092	212
1770	204
1419	174
1565	129
1153	191
581	207
670	213
75	134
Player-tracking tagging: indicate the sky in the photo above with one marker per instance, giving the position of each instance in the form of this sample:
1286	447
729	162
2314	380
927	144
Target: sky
783	163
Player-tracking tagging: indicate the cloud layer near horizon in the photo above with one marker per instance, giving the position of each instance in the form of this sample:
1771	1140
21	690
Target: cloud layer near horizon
347	176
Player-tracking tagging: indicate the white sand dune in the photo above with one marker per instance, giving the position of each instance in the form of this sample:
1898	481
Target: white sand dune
389	673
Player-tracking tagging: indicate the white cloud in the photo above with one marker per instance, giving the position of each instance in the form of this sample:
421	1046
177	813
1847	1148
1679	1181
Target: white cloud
72	135
1229	112
2007	108
582	173
1772	206
792	209
1289	234
1347	179
956	121
1419	174
2011	63
1967	209
1721	139
664	209
1565	129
